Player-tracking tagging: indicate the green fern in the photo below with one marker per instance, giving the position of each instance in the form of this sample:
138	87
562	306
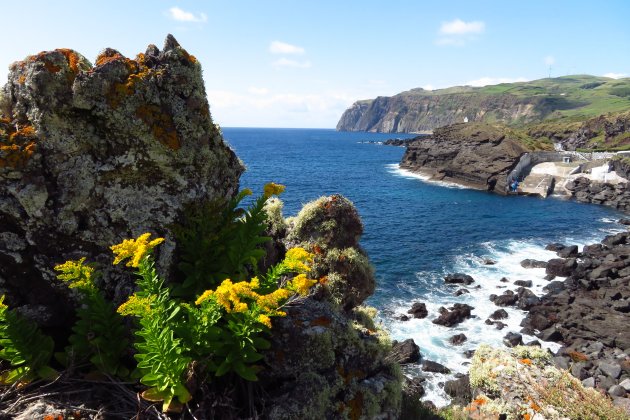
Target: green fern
99	334
219	240
25	347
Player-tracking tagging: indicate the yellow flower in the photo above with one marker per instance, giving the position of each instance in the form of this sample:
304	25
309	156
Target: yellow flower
76	274
204	296
298	260
301	284
134	249
2	304
273	189
265	320
136	305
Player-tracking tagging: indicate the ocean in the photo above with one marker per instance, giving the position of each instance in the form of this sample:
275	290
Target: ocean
416	232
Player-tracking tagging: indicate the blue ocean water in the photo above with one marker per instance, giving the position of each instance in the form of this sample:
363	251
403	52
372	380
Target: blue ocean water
416	232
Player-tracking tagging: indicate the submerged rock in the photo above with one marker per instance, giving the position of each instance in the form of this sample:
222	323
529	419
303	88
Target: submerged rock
418	310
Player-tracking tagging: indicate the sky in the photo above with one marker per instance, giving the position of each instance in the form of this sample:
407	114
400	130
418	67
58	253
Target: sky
286	63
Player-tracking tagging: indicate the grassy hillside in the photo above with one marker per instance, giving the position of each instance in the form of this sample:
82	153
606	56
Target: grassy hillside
563	99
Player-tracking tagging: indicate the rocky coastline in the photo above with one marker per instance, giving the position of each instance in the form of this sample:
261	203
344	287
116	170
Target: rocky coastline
585	313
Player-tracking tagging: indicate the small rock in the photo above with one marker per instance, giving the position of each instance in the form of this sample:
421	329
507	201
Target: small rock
508	298
625	384
499	314
513	339
555	247
461	292
403	317
551	334
459	390
430	366
488	261
611	370
617	391
457	313
624	221
458	339
568	252
499	325
578	371
589	382
418	310
529	263
534	343
413	387
561	362
405	352
504	280
469	353
524	283
458	278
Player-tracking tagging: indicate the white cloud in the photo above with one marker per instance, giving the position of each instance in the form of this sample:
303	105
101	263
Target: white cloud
279	47
616	75
485	81
180	15
258	91
458	33
285	62
428	87
550	60
459	27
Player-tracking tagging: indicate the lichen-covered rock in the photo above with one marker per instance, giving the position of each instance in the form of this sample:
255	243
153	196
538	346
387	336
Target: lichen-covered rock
331	227
322	365
90	155
523	383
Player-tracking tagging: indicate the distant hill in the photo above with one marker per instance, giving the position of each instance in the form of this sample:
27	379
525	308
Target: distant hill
570	98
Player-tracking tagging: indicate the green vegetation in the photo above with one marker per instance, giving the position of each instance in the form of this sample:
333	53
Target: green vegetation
197	335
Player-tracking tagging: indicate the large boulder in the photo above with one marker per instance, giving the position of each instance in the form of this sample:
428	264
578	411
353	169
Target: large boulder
90	155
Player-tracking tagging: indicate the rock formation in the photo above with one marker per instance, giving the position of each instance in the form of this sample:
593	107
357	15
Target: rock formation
612	195
477	155
90	155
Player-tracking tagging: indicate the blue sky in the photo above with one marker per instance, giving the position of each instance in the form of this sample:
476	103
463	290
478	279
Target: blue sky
301	63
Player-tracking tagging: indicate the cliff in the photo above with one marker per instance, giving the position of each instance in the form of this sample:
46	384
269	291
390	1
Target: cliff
420	110
474	154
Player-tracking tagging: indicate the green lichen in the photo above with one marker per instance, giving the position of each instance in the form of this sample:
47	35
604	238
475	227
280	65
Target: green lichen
275	220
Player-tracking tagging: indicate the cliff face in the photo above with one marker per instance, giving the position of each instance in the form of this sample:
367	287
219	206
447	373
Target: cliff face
477	155
420	110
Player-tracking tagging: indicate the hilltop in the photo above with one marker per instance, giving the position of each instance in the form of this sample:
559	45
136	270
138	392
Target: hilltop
570	98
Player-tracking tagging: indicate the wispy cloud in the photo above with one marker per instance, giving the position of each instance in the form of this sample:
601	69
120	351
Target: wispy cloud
285	62
458	32
258	90
485	81
616	75
180	15
550	60
279	47
459	27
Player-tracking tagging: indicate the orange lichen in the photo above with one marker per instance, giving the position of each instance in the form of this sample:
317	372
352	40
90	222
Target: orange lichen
161	124
322	321
22	79
527	362
323	280
356	406
72	57
18	147
479	401
577	356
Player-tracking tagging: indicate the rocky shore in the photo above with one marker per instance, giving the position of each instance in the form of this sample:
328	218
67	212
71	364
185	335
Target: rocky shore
585	312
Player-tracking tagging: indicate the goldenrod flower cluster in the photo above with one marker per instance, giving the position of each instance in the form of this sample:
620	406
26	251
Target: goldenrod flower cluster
134	249
298	260
136	305
301	284
76	274
273	189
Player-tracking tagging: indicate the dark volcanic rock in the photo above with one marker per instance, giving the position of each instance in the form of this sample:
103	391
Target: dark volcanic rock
454	315
529	263
499	314
458	339
568	252
508	298
513	339
459	390
405	352
460	292
526	298
477	155
459	278
523	283
555	247
418	310
560	267
430	366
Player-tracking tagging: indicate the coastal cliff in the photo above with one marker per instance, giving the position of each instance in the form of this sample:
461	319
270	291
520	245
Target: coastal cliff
420	110
476	155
